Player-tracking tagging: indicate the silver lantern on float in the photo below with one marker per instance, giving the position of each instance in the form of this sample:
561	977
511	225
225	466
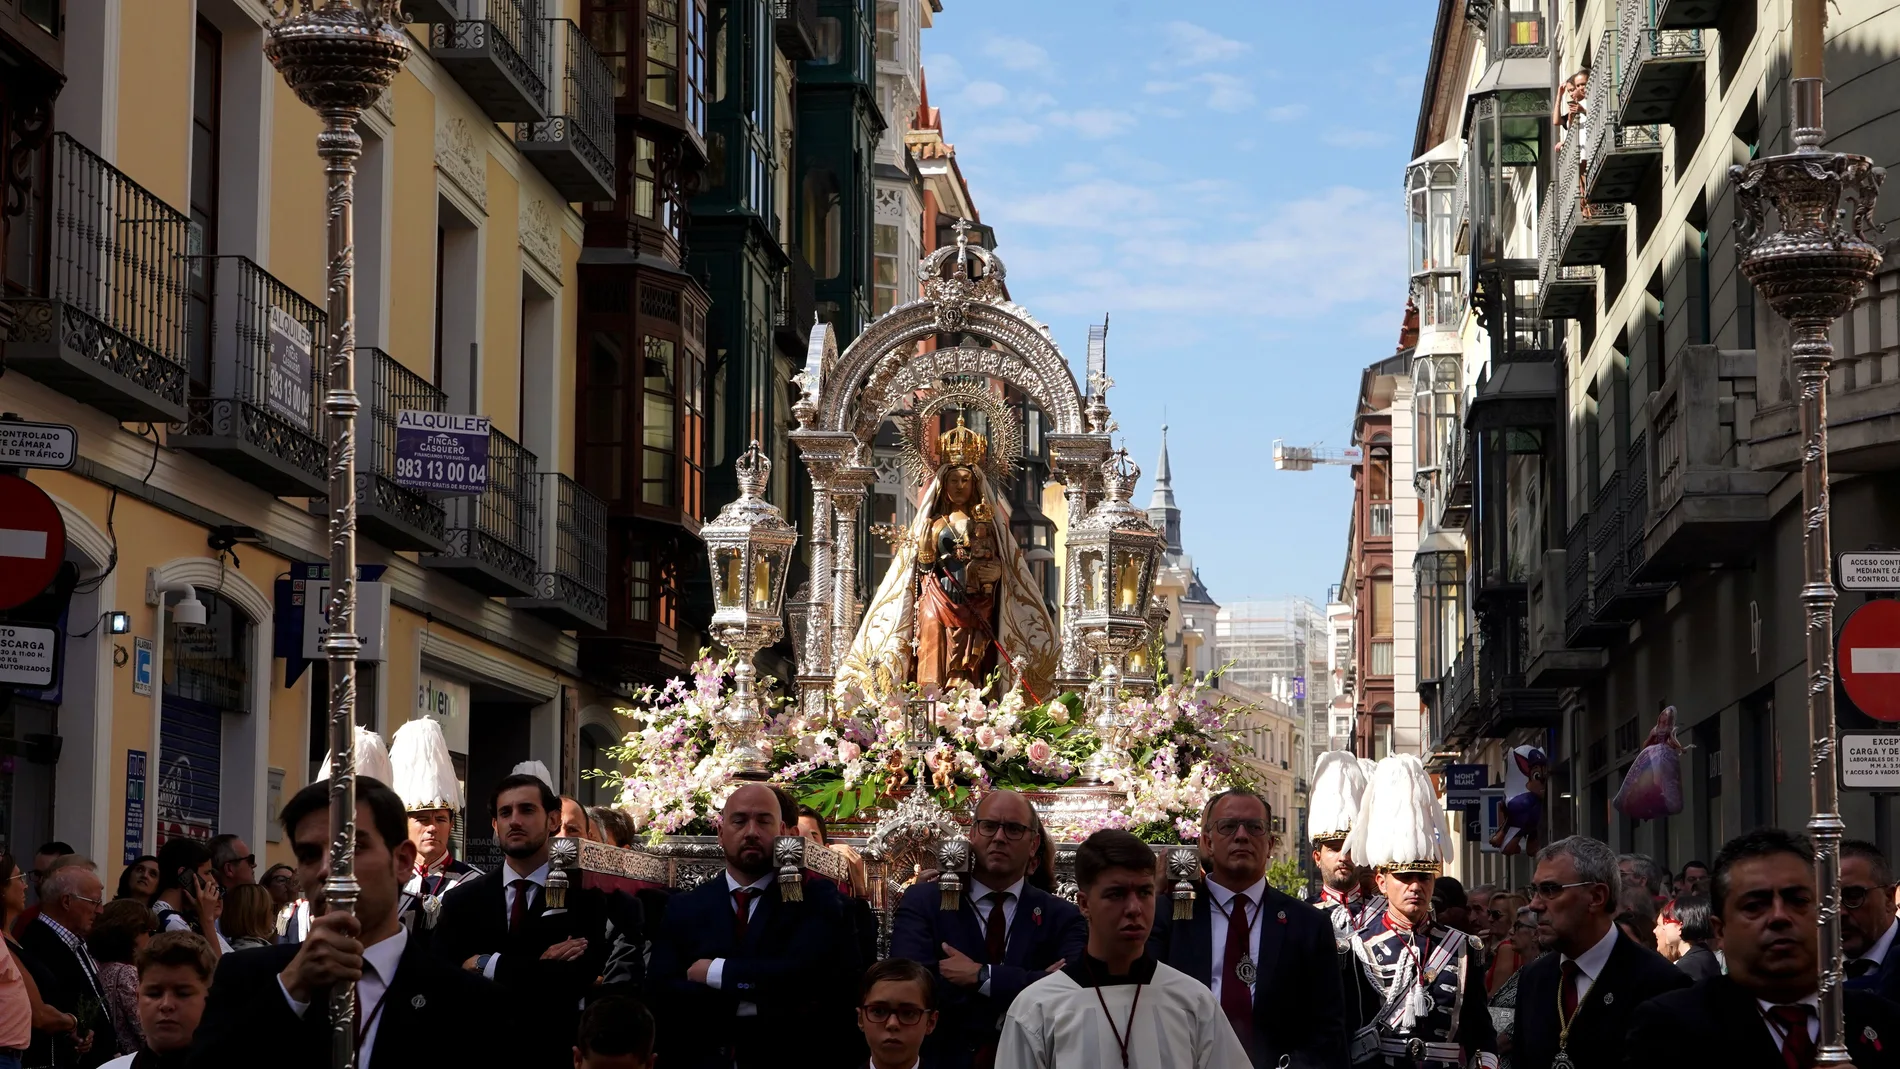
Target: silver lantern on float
749	546
1113	554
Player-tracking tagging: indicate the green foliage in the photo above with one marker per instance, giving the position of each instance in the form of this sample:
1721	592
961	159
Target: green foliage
1284	876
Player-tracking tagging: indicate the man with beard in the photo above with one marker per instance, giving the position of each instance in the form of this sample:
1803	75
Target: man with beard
1339	784
1426	979
1267	957
1004	935
501	925
742	969
1574	1006
1764	1013
1867	921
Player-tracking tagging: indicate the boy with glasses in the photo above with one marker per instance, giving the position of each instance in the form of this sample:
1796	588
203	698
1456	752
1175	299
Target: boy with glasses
897	1008
1004	935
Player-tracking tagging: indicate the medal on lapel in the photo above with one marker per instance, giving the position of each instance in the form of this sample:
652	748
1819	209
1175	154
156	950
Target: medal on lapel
1562	1061
1245	971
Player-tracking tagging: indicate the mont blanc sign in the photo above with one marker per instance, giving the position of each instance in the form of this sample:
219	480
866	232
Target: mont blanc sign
441	452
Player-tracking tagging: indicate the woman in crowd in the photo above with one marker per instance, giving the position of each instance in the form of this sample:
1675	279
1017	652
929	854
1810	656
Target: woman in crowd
1523	943
1669	932
188	898
123	928
139	881
12	905
1699	958
1500	919
248	919
281	881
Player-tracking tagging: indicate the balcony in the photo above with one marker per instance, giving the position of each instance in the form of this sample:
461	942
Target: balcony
497	51
1863	395
574	145
795	27
1518	389
258	373
1507	701
1553	661
1706	510
1620	156
397	517
492	537
1461	697
1641	594
110	330
1616	598
1379	520
1657	66
572	586
429	11
796	307
1681	14
1457	463
1576	236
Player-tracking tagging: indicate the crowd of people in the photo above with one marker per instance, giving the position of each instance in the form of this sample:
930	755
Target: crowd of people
1600	960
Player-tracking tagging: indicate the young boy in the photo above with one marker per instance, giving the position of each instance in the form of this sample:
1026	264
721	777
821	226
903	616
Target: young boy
897	1008
616	1033
174	977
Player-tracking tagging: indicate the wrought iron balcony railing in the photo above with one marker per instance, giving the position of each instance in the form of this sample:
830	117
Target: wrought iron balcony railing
1379	520
1621	157
1579	585
258	370
1706	508
574	145
398	518
497	51
109	327
493	537
795	27
572	587
1656	66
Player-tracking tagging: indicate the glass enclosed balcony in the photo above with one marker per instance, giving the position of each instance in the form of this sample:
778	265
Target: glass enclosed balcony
1433	202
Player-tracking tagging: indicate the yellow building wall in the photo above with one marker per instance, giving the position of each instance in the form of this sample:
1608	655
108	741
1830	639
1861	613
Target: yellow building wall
412	239
569	385
155	96
298	246
501	308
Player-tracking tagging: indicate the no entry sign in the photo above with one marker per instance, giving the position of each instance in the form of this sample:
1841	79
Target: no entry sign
32	541
1869	659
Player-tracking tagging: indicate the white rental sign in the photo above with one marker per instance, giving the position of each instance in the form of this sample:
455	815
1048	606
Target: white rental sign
1870	571
26	655
1870	761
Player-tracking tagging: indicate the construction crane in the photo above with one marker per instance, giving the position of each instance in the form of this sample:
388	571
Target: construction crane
1304	457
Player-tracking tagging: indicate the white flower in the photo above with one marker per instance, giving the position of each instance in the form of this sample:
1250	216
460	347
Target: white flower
848	751
1058	713
1039	751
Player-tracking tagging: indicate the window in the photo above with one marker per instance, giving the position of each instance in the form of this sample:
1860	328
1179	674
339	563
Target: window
202	240
607	25
696	66
643	188
823	223
887	31
637	574
657	458
663	53
884	294
1382	604
828	42
603	423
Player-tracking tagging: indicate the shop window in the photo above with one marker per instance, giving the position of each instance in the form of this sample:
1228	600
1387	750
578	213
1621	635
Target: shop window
663	53
657	432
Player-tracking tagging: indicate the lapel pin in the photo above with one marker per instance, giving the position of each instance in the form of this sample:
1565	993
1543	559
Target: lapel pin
418	1002
1871	1037
1036	915
1609	997
1282	916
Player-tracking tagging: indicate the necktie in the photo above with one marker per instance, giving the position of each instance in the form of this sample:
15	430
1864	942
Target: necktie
518	911
1797	1047
741	913
1570	972
996	931
1860	967
1236	1000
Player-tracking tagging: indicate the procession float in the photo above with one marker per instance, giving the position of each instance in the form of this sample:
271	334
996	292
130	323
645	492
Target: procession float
954	678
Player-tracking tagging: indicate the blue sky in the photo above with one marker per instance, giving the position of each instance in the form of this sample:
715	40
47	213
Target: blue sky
1223	179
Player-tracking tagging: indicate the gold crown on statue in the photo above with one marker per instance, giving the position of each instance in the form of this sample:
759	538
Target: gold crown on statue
962	446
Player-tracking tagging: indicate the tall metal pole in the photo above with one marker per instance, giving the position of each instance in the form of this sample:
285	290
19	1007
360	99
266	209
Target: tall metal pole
1810	269
338	57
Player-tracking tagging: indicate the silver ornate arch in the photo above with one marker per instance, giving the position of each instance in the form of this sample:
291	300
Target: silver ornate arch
845	396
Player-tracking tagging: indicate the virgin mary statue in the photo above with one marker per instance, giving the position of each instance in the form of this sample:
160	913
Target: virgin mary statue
959	601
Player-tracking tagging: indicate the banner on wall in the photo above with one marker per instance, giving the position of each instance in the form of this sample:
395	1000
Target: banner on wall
134	805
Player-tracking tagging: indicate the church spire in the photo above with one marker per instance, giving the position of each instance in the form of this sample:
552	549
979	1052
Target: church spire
1162	511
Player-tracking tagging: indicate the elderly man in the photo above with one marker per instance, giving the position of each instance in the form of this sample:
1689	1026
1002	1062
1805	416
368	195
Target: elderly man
71	895
1267	957
1004	935
232	861
1574	1006
1639	872
1763	1014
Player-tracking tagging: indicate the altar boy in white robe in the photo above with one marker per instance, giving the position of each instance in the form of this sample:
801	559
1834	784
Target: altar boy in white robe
1118	1006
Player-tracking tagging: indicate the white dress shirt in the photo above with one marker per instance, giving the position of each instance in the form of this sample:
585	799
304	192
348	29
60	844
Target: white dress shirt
380	961
1223	903
1878	952
983	900
716	972
1774	1026
1591	962
539	877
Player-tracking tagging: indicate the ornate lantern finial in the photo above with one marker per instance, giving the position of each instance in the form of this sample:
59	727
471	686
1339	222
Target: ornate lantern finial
749	545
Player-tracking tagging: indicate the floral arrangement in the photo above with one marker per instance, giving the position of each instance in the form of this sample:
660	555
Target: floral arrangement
679	768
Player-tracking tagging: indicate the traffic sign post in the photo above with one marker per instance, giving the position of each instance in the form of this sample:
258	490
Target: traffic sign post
32	541
1871	570
1868	659
37	445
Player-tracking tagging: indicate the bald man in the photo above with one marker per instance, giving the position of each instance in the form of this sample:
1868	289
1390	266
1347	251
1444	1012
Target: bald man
747	968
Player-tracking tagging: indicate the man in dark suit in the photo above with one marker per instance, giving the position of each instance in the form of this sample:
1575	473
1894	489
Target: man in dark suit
752	979
1268	958
1867	921
501	925
1763	1014
71	895
1004	935
271	1003
1575	1001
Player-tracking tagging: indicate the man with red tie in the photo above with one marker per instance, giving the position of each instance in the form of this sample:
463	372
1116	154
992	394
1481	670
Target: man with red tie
1268	957
738	971
1764	1013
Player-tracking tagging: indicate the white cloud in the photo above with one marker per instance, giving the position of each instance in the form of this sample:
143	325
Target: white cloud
1094	123
1002	131
1163	87
985	94
1340	137
1188	45
1286	112
1089	204
1225	92
943	72
1016	54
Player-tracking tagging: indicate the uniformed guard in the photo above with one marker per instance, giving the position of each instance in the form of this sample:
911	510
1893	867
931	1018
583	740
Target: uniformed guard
1339	784
425	780
1426	978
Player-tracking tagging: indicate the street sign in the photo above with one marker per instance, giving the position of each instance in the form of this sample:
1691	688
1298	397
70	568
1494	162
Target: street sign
32	541
1870	761
1463	784
134	805
1868	659
1869	571
37	445
1491	805
26	655
141	665
442	452
372	618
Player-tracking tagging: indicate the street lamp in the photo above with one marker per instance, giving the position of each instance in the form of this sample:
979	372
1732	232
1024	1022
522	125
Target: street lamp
749	545
1113	552
339	57
1810	270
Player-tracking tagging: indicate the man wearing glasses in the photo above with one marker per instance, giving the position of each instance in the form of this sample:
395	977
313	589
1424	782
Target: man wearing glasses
1574	1006
1867	923
1268	958
70	898
1004	935
232	862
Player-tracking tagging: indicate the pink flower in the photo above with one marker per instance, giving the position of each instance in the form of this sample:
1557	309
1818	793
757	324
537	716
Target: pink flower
986	737
1040	752
848	750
